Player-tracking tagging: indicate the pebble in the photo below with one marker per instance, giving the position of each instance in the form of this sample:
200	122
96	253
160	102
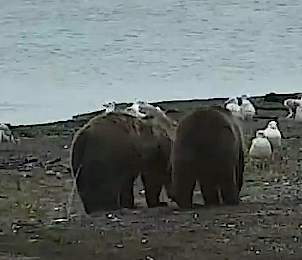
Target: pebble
50	172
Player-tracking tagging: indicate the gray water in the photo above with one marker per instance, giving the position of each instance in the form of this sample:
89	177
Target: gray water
63	57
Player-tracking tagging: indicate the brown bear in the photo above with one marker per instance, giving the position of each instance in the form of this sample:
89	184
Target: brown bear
108	154
208	148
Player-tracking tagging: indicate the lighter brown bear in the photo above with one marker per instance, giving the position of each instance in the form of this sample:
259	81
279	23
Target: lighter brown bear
107	155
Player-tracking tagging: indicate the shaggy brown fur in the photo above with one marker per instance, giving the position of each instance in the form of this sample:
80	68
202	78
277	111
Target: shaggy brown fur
208	148
110	152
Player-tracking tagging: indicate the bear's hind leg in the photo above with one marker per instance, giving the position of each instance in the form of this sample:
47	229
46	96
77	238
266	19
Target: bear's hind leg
230	191
210	193
94	189
184	191
126	194
153	188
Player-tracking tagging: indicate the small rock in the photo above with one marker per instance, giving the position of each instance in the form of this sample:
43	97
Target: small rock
33	239
31	160
142	192
59	220
195	216
110	216
120	246
50	172
26	174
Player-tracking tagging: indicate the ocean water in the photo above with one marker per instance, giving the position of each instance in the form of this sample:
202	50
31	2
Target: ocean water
59	58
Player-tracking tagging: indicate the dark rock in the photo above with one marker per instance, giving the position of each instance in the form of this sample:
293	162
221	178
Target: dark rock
273	97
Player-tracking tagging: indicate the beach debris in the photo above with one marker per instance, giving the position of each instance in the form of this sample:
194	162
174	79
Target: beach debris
113	218
27	226
50	162
119	246
144	241
31	159
55	167
59	220
142	192
25	174
33	239
29	164
195	216
50	172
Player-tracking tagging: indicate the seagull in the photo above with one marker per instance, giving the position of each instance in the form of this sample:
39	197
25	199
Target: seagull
232	105
247	108
292	105
6	134
134	110
273	134
260	148
109	107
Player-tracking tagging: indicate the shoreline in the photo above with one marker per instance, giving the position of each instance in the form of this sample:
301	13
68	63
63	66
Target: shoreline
169	106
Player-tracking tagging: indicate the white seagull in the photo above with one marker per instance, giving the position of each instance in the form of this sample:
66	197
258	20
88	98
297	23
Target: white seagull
260	148
6	134
247	109
232	105
109	107
134	110
273	134
292	105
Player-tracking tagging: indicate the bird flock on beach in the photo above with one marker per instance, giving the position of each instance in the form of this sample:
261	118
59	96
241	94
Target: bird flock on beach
265	147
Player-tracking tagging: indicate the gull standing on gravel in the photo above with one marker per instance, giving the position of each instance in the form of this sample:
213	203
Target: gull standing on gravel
232	105
292	105
261	148
247	109
6	134
274	136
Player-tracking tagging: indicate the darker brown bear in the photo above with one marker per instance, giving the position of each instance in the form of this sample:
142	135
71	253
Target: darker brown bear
208	148
108	154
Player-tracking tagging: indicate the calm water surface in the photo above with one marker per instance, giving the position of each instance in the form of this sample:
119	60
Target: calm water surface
63	57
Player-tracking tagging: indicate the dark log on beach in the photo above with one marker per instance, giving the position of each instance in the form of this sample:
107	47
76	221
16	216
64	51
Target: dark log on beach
275	118
273	97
